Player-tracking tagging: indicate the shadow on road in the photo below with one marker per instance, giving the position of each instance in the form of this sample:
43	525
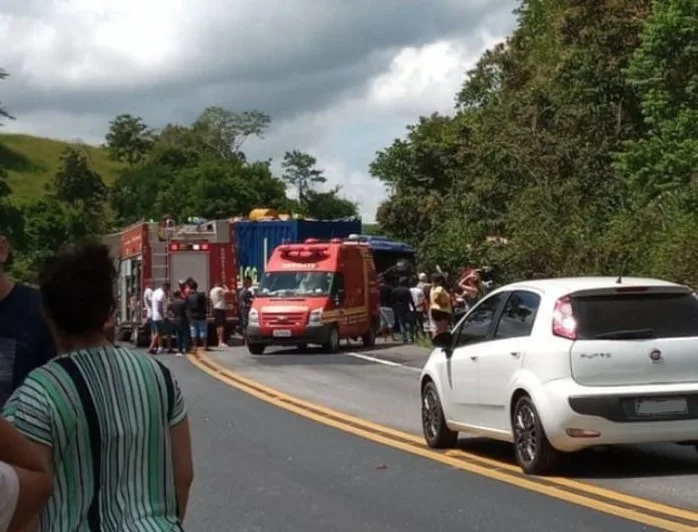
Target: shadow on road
611	462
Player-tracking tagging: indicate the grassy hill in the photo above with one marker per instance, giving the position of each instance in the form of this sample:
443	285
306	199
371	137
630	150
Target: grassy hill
31	162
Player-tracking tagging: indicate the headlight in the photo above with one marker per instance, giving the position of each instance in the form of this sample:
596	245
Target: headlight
253	317
315	316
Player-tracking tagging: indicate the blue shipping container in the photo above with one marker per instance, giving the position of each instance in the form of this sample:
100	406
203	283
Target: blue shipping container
256	240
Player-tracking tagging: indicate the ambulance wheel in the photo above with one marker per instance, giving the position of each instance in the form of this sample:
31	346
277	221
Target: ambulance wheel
332	344
256	349
369	339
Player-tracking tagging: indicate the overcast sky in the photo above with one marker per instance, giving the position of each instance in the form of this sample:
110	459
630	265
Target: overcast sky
340	78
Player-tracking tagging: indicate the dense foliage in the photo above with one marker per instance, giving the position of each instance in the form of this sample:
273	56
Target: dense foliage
573	149
187	171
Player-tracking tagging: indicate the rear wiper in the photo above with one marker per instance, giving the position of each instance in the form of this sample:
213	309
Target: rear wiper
625	334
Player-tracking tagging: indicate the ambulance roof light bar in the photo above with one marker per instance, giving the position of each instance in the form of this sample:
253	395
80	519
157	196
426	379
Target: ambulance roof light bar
294	249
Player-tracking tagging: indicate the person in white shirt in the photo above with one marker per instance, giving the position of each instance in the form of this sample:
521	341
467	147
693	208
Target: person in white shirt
148	306
420	306
25	484
158	310
217	297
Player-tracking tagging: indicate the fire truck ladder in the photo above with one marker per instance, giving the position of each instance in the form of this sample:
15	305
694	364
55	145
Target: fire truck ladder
160	256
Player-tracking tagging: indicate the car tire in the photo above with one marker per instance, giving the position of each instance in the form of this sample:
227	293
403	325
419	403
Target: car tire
332	344
534	453
369	339
436	432
256	349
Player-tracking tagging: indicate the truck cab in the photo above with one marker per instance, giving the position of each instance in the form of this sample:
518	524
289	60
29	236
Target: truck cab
315	293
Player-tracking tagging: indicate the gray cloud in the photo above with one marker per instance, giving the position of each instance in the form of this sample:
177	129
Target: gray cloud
283	57
310	64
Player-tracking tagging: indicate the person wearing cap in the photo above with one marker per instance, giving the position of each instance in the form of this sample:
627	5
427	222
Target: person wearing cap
25	340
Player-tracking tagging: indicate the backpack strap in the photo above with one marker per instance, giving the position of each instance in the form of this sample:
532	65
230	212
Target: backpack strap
94	518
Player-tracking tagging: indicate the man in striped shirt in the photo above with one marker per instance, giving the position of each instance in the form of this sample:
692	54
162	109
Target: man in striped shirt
109	423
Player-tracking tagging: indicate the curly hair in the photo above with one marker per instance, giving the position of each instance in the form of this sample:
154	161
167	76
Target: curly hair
77	288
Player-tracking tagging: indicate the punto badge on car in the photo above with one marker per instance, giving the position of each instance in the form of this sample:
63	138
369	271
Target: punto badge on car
655	355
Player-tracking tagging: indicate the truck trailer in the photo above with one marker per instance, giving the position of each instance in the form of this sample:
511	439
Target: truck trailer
257	239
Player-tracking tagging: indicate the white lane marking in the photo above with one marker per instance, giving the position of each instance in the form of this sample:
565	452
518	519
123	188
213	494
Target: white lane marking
381	361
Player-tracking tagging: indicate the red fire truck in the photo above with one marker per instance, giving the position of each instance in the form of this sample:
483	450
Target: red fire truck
151	253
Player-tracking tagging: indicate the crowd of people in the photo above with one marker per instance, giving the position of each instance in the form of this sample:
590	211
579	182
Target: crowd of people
427	308
72	456
182	315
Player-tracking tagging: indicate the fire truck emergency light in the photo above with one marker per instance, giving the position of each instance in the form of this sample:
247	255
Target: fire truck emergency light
189	247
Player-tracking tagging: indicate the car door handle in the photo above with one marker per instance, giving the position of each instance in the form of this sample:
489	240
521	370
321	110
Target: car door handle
473	357
515	354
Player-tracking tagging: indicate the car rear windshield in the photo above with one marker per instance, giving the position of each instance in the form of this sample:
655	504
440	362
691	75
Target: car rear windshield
647	315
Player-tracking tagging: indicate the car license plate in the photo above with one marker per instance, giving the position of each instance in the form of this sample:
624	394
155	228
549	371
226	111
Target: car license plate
282	333
661	407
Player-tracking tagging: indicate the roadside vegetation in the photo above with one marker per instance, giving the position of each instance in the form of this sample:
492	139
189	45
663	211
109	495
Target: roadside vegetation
53	192
573	149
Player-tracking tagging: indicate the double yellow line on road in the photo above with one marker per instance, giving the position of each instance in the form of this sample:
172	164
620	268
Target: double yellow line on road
595	497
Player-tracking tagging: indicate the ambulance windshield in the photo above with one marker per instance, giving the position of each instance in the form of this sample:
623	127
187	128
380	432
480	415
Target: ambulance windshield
296	284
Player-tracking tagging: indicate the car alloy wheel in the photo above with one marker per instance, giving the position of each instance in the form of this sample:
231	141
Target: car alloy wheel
526	433
434	427
431	414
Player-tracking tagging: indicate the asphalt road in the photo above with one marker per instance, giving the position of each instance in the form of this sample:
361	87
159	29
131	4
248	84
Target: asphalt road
261	468
388	394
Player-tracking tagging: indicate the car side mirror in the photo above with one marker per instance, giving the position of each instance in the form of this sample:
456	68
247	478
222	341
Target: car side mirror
444	341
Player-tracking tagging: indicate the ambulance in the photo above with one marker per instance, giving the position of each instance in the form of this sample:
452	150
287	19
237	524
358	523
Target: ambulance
315	293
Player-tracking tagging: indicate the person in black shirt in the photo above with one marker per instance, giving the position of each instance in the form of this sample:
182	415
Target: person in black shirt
196	313
385	303
178	315
25	340
403	304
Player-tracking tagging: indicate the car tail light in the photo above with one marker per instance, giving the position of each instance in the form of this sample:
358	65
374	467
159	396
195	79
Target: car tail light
564	324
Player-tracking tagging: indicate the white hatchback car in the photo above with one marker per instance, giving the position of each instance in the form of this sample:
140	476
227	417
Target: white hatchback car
558	365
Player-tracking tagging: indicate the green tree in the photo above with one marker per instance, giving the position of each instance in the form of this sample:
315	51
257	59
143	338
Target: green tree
48	224
527	156
221	189
223	132
300	172
129	139
133	196
663	72
329	205
177	146
77	184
